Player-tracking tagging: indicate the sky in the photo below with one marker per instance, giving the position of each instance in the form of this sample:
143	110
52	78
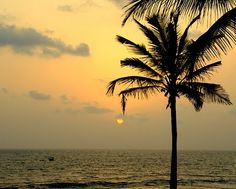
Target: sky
56	59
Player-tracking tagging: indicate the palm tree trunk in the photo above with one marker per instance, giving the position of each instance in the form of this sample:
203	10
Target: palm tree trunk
173	172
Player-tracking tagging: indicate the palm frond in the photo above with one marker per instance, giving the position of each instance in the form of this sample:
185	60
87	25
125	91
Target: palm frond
140	92
193	7
225	26
159	23
135	48
182	41
141	9
157	44
214	93
194	96
142	51
139	65
132	80
219	38
137	92
204	71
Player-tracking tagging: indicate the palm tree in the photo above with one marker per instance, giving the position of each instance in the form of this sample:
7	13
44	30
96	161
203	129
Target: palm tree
172	64
141	8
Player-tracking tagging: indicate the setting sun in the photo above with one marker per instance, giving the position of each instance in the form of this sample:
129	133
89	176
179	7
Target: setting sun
119	121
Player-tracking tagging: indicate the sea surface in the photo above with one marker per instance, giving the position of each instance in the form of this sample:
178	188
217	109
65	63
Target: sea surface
127	169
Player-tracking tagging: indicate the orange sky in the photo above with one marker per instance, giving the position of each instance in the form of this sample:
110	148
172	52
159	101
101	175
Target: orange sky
56	58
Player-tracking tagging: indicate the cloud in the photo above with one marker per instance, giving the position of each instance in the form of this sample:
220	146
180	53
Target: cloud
84	4
89	4
36	95
101	81
94	109
233	112
66	8
90	109
135	118
31	42
4	90
6	17
48	31
65	99
72	111
119	3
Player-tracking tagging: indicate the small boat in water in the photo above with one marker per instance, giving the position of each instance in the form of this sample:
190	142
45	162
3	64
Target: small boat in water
51	158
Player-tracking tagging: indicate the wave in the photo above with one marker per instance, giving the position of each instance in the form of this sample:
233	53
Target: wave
144	184
87	184
93	184
106	184
123	184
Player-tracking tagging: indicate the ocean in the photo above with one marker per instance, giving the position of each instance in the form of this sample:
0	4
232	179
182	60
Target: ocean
126	169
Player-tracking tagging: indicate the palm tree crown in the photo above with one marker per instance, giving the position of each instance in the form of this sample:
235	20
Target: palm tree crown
174	65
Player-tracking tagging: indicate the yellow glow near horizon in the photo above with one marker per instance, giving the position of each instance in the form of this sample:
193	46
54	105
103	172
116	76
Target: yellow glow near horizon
120	121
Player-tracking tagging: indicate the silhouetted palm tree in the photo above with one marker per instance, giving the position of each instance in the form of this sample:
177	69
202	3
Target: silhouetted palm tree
143	8
173	65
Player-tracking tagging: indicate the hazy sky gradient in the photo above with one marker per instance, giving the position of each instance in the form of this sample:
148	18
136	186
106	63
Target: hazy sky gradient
56	58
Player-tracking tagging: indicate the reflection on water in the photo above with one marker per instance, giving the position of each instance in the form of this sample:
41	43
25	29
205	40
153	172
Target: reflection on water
114	169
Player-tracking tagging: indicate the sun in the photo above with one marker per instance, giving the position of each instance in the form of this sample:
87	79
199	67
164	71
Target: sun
120	121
